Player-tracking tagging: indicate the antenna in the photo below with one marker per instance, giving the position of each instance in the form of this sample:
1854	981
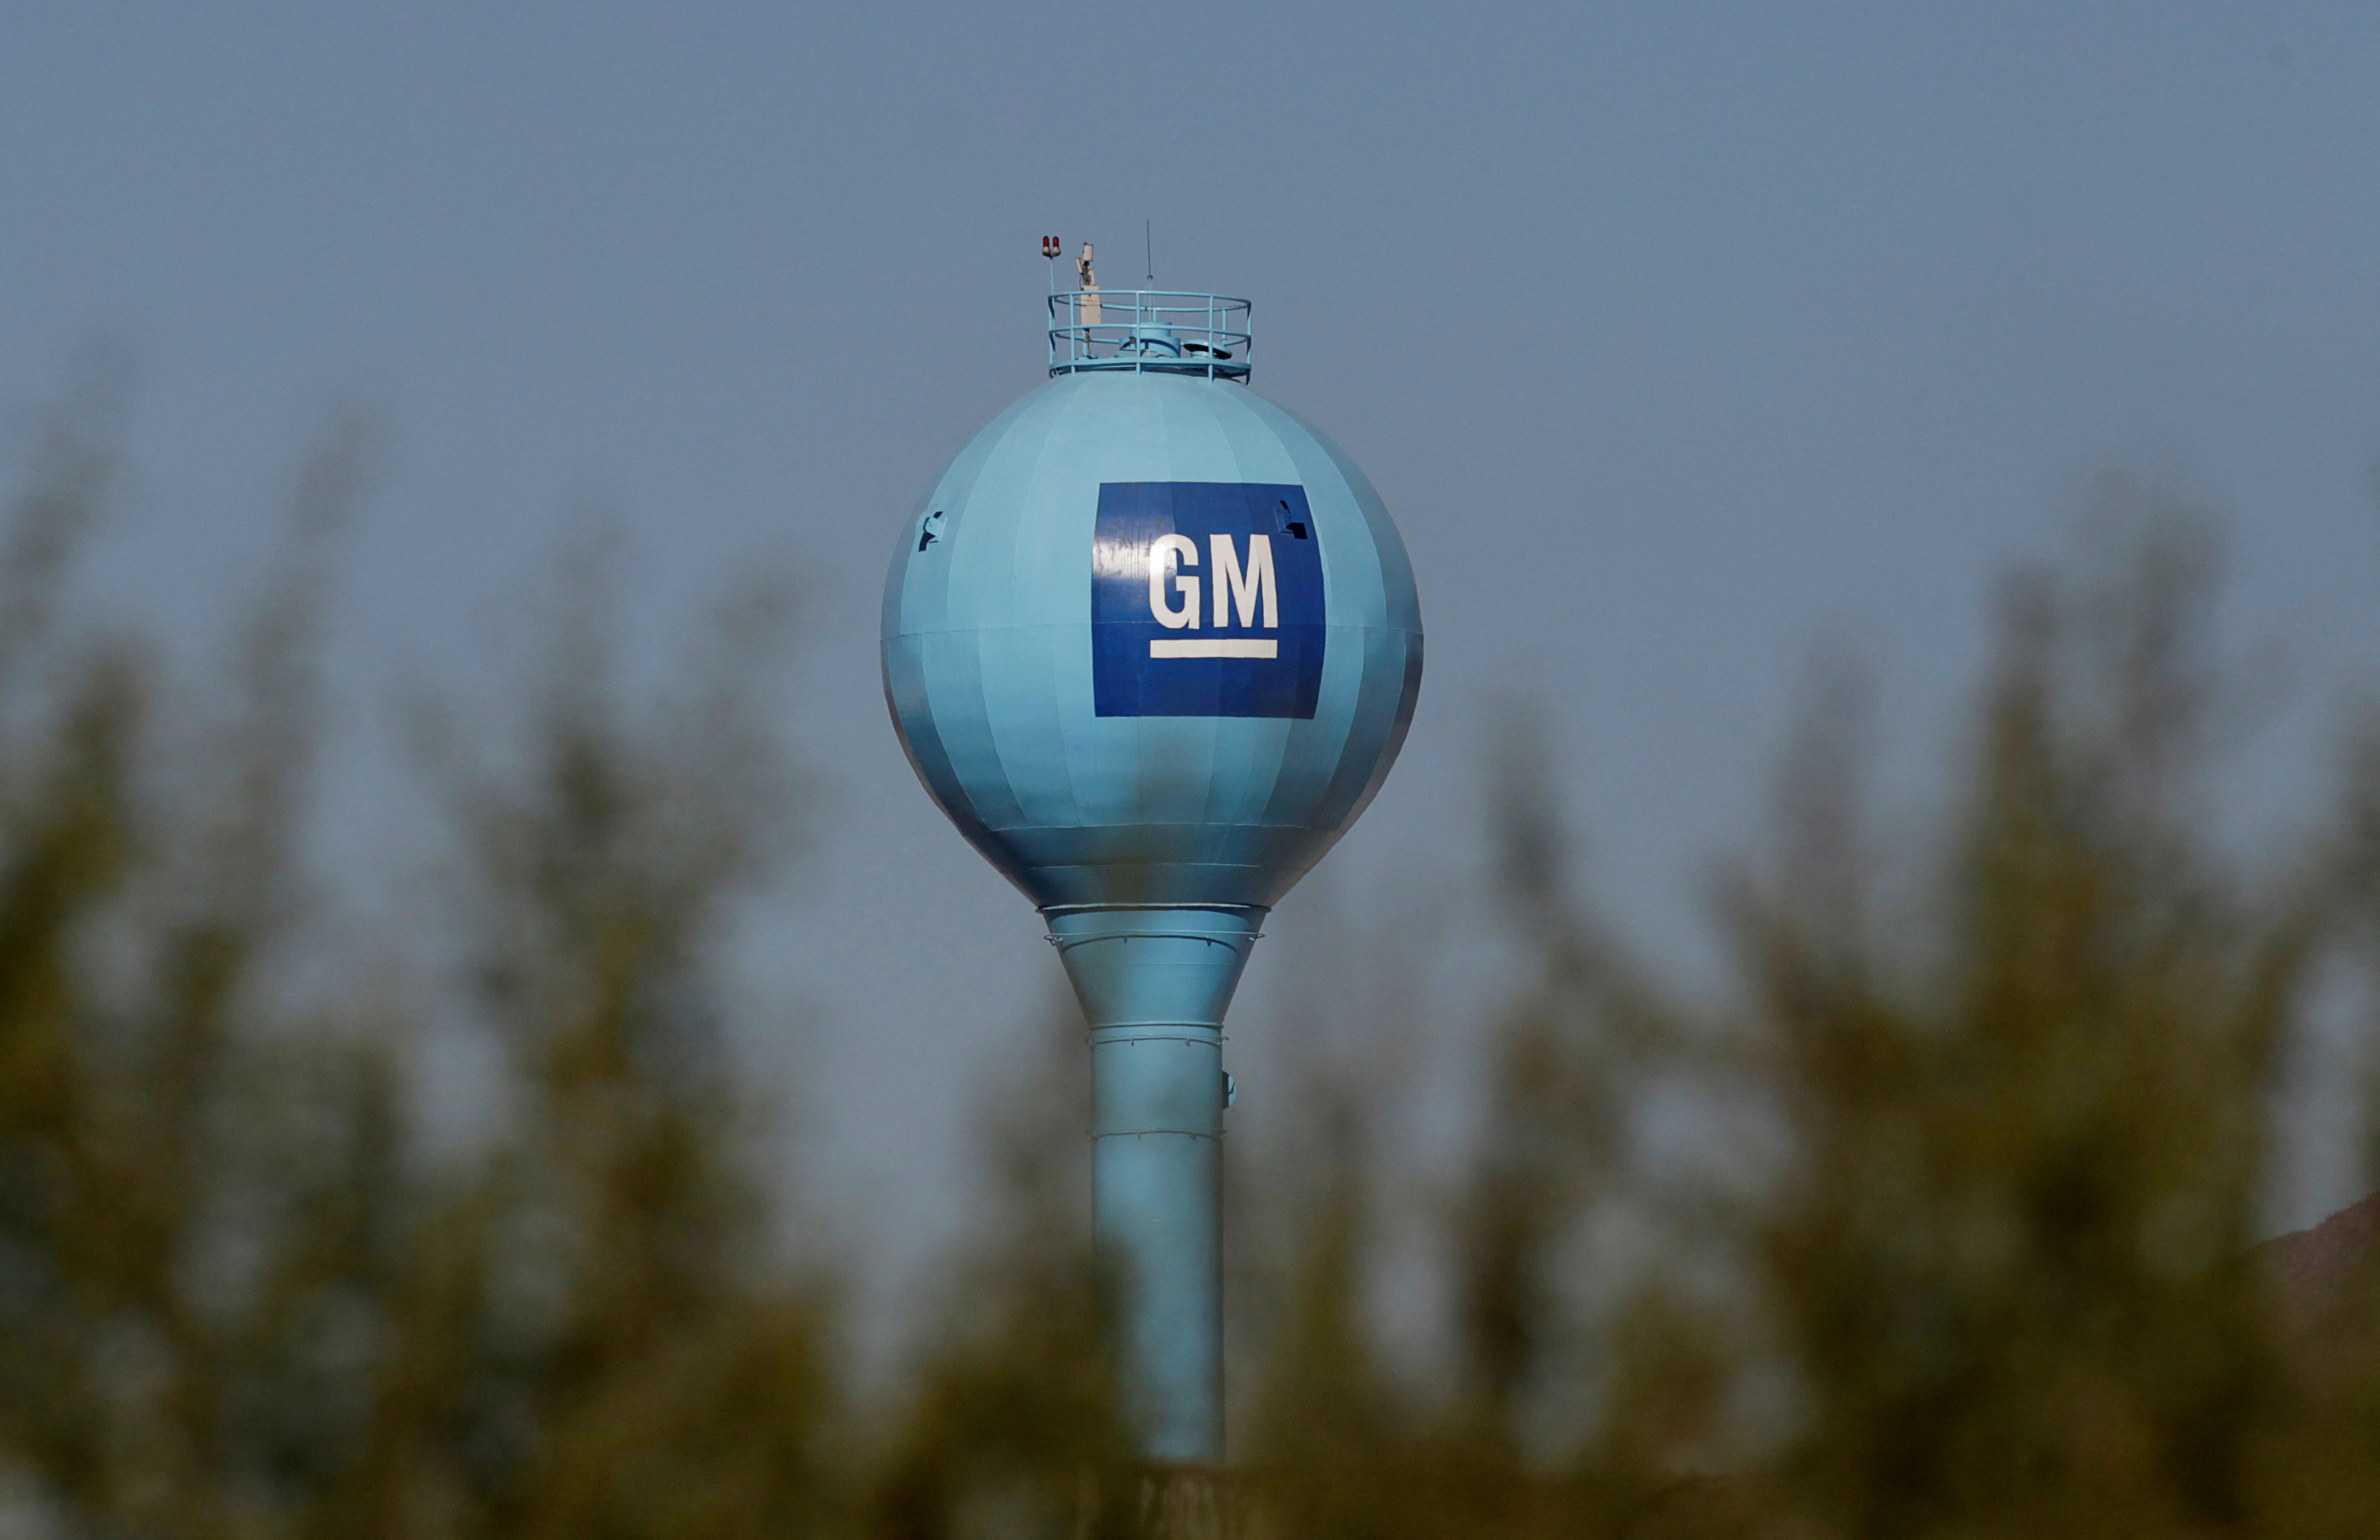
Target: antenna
1148	246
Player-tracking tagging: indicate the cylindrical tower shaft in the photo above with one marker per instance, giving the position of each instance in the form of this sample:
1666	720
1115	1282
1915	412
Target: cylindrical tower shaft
1154	983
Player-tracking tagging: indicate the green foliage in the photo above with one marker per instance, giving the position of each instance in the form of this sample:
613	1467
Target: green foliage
1992	1272
240	1296
1961	1245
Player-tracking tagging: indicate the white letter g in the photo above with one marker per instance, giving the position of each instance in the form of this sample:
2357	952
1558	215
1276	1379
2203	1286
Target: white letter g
1161	554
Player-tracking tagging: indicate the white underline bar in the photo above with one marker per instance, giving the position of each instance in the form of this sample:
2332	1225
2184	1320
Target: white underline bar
1221	647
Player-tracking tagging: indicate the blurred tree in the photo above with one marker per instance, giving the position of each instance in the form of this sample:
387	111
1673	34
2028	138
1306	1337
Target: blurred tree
1011	1425
636	1371
1996	1279
2009	1267
1960	1245
237	1299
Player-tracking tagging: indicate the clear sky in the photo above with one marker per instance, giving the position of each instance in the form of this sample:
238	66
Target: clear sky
1675	335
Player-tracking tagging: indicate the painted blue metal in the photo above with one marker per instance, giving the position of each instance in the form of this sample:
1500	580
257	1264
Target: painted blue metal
1152	643
1154	984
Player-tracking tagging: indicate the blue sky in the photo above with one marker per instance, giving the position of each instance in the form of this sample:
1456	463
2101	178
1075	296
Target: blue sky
1677	337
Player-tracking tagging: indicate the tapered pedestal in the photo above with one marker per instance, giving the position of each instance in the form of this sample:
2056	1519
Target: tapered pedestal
1154	984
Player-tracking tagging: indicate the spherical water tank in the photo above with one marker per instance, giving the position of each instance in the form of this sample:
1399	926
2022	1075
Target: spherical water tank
1151	639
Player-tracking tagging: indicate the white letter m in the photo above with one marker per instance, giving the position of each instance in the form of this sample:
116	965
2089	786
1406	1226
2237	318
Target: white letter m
1235	590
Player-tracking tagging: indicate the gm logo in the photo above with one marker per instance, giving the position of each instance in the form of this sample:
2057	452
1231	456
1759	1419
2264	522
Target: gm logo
1206	600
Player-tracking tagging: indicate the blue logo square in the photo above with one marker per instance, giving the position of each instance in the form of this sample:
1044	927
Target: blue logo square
1206	600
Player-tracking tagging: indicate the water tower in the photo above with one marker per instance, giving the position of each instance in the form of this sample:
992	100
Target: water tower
1152	643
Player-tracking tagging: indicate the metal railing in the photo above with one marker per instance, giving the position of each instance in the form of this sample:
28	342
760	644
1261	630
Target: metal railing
1149	332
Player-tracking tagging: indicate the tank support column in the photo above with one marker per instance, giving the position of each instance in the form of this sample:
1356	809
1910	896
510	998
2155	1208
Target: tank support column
1154	984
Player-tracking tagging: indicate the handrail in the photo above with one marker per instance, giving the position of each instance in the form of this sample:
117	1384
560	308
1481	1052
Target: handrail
1149	331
